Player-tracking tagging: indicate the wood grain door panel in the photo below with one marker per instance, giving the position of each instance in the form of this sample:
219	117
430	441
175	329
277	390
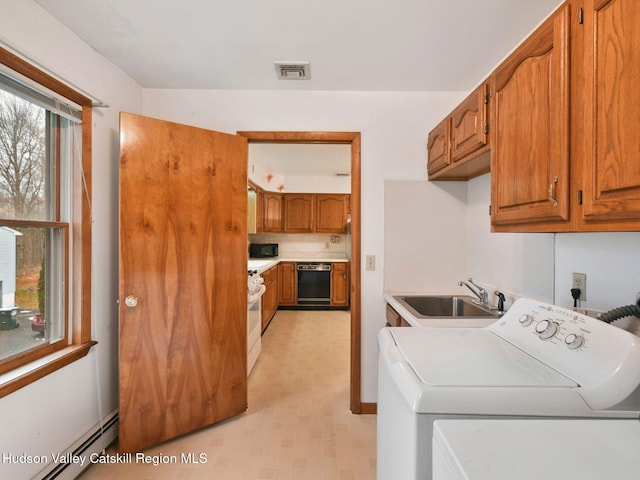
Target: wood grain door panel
299	213
272	210
530	150
438	151
469	124
612	176
331	213
183	231
287	282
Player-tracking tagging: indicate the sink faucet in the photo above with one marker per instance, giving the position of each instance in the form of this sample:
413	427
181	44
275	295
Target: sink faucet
477	290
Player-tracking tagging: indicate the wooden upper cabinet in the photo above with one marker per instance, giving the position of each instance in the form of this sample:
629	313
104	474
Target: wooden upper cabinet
439	155
331	213
298	212
470	125
456	145
530	128
612	117
272	212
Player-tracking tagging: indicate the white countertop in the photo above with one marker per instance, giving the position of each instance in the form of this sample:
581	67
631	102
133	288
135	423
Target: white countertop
434	322
263	264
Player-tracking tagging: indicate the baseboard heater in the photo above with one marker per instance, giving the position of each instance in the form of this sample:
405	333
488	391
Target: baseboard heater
93	442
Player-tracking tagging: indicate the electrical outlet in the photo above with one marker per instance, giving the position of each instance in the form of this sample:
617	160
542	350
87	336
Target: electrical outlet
580	281
370	262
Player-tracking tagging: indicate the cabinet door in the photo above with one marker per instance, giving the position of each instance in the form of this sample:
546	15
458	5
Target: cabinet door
298	213
287	282
340	284
469	125
331	213
270	297
612	120
530	128
393	317
272	210
439	155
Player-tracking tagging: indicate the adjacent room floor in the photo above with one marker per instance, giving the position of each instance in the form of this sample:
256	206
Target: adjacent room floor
298	425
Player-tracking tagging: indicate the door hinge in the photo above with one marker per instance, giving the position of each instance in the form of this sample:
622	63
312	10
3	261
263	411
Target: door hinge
486	128
489	210
579	197
581	15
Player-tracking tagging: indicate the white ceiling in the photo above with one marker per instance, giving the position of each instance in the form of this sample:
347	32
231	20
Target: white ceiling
366	45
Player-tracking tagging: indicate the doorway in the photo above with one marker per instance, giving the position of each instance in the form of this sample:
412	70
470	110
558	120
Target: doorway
352	139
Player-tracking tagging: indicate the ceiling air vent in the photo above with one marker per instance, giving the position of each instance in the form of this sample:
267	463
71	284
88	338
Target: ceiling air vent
293	70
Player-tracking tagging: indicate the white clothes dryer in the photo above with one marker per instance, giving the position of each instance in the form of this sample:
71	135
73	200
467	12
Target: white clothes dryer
536	449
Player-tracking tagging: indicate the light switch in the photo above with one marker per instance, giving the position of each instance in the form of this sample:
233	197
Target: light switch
370	262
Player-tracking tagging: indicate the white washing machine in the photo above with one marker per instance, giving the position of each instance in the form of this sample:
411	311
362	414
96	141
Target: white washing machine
537	361
536	449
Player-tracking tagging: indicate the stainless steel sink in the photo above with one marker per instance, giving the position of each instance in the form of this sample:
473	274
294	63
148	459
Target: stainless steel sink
426	306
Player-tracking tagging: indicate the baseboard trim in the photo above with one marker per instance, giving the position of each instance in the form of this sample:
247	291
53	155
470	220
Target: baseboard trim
368	408
93	442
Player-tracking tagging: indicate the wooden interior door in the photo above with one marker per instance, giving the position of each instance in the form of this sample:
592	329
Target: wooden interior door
183	293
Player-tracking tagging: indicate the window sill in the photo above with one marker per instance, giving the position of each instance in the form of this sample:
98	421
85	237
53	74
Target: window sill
22	376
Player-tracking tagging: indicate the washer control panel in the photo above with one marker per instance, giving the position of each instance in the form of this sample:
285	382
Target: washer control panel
552	322
583	348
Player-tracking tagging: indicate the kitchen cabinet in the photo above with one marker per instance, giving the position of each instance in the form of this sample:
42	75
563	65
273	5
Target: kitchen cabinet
254	208
287	283
331	213
571	108
340	284
457	146
272	212
299	212
270	298
438	152
609	121
531	134
394	319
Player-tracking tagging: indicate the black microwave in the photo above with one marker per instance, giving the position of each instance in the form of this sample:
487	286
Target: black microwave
263	250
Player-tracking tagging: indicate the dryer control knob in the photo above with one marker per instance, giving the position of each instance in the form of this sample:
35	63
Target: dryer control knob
547	329
574	341
525	319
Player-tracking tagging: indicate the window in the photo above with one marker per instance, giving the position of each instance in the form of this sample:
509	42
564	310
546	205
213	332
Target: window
45	230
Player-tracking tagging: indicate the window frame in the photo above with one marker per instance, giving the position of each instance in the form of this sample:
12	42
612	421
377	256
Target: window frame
31	365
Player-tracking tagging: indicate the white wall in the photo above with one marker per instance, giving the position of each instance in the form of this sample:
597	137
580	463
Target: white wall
540	265
317	184
612	264
425	242
394	128
51	414
519	264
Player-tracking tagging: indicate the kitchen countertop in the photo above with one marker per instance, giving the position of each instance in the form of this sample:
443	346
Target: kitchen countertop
264	264
434	322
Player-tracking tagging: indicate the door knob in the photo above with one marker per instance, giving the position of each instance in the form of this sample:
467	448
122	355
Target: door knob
131	301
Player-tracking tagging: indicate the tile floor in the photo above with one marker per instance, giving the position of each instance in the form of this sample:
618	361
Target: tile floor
298	425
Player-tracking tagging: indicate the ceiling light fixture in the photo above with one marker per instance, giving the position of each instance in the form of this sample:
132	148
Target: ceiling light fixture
293	70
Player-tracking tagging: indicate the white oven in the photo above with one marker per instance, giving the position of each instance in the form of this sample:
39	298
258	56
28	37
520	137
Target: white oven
537	361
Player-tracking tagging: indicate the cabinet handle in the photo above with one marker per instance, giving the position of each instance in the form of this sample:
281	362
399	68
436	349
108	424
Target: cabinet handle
552	192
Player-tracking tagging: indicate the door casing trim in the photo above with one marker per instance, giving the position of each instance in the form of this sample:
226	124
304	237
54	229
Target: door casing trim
353	139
